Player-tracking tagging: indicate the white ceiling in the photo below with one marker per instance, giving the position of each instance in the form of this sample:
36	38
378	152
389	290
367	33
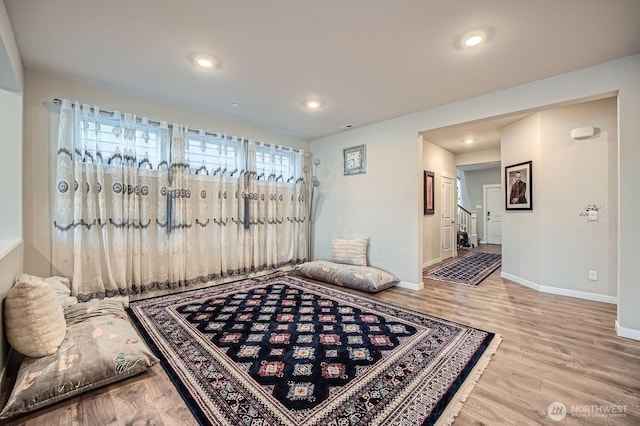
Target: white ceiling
485	134
368	60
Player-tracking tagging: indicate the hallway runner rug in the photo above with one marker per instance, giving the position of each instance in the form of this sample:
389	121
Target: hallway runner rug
283	350
470	269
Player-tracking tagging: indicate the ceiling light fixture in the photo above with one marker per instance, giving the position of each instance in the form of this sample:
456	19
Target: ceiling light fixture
474	38
204	61
313	103
235	105
469	140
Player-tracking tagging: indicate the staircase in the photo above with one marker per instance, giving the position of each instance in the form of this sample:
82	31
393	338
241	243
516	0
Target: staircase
467	222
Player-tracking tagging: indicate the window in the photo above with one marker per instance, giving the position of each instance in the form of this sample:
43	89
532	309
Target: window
275	163
109	137
208	154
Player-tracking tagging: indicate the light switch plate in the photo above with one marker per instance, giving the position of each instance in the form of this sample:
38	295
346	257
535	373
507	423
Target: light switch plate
593	216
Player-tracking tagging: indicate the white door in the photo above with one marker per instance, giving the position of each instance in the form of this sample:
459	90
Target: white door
448	233
494	208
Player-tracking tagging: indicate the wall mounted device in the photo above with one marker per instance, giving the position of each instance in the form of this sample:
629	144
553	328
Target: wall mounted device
583	132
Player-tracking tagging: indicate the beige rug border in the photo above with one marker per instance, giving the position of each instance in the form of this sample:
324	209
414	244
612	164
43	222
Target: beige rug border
452	409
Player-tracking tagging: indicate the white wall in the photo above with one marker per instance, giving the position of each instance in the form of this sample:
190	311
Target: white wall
520	142
402	234
576	173
383	204
11	253
442	163
10	269
40	144
11	170
11	73
568	175
473	192
478	157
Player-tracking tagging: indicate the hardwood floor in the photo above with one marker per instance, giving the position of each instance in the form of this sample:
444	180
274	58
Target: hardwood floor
555	348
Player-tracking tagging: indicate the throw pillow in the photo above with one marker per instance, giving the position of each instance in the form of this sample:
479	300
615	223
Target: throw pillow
33	318
61	286
351	251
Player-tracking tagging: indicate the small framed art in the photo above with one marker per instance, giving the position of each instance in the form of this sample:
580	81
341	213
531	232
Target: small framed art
355	160
429	199
519	186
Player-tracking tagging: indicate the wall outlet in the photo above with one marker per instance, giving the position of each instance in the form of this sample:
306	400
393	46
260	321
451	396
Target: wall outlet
593	275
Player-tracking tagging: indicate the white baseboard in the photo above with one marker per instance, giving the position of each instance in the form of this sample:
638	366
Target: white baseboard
431	262
629	333
561	291
410	286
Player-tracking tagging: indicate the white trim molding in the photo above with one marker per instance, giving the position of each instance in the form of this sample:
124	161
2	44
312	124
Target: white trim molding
561	291
410	286
431	262
629	333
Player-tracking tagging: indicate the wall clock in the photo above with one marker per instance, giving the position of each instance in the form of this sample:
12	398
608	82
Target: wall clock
355	160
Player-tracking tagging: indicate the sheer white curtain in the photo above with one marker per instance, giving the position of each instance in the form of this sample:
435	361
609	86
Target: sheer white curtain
110	216
277	205
234	220
141	207
207	210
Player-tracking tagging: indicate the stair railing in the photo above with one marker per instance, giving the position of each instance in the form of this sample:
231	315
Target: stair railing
467	222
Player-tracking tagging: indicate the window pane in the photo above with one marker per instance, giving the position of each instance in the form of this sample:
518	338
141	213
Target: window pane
208	154
274	163
109	139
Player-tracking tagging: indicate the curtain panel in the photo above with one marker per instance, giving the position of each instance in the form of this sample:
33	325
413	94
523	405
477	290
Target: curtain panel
142	207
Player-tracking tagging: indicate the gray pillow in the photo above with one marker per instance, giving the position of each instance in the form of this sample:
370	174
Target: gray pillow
366	278
101	347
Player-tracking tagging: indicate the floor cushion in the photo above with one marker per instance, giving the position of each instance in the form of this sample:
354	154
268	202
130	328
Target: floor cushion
100	347
366	278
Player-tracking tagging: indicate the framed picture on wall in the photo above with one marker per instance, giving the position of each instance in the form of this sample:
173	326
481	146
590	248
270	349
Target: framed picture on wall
355	160
518	186
429	198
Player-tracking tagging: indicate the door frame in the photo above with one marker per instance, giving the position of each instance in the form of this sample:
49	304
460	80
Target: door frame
484	208
454	201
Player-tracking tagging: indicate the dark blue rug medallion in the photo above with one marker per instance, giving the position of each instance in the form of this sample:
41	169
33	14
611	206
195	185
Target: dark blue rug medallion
285	351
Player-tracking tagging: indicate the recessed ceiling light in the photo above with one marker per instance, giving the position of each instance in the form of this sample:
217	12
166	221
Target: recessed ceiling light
469	140
235	105
313	103
474	38
204	61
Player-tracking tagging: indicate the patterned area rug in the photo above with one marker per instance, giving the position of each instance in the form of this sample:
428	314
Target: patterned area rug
470	269
283	350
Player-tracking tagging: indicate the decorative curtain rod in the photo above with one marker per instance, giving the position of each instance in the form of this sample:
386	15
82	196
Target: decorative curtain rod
57	101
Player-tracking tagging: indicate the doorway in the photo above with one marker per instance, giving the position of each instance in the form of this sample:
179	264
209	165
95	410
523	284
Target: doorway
448	222
493	207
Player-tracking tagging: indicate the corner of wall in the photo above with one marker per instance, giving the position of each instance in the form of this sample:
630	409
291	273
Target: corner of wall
10	270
